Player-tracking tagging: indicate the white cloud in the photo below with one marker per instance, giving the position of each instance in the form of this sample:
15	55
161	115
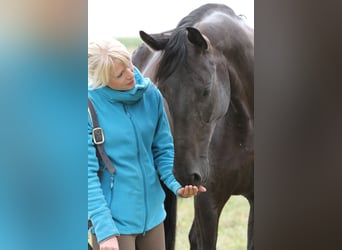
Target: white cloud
126	18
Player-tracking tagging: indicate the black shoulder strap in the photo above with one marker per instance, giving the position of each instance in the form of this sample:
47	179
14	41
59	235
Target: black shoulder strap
98	138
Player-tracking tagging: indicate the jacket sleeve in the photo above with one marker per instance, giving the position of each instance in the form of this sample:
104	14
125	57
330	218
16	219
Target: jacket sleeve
98	210
163	148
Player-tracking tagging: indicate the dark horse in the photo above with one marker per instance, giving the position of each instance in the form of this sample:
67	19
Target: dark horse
205	70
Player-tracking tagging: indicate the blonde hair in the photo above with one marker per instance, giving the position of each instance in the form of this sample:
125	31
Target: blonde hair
101	60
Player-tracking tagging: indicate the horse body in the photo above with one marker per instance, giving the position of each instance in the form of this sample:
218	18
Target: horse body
205	70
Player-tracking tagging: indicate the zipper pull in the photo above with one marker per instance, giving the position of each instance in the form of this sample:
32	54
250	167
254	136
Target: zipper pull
126	111
111	181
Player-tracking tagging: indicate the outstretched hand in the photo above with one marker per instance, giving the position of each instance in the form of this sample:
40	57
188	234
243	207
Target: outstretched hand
110	244
189	191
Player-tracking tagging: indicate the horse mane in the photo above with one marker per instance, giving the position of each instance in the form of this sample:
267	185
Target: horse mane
175	52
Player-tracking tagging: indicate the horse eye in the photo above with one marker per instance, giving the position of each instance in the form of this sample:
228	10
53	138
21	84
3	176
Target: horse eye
205	92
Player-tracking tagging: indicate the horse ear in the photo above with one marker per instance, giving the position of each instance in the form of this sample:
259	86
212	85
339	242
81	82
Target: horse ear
195	37
156	42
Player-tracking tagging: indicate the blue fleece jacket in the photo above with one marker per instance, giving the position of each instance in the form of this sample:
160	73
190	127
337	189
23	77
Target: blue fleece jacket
139	143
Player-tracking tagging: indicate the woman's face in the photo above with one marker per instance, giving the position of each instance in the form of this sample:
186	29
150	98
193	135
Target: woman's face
121	77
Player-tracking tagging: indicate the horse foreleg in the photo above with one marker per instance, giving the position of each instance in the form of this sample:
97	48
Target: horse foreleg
170	205
193	237
250	235
203	233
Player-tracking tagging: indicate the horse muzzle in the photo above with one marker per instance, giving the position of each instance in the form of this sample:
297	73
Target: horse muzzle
195	175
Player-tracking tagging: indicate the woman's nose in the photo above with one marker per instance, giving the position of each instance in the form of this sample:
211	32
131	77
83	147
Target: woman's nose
130	72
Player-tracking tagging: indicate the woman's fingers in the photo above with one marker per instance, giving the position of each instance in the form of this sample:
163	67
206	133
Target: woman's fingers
190	190
202	189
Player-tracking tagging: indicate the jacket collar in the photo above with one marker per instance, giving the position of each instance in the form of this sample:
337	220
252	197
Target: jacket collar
128	96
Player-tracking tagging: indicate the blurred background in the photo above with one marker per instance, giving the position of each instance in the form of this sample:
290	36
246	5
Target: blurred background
126	18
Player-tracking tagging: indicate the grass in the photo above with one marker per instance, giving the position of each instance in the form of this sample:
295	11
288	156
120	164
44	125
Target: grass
232	232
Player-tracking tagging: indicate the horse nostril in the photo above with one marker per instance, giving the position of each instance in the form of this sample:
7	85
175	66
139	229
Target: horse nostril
196	178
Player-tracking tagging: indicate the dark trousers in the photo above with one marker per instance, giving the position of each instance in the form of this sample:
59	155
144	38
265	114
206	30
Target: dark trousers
152	240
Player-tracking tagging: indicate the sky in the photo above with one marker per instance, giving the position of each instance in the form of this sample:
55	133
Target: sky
125	18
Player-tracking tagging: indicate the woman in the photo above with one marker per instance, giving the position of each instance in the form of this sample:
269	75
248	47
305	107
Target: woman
127	208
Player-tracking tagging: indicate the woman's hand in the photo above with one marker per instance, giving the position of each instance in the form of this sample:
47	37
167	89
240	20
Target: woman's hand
189	191
110	244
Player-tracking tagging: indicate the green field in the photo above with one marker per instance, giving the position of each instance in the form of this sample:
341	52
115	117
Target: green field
130	42
232	232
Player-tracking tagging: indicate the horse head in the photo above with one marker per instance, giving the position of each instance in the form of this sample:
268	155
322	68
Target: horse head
193	78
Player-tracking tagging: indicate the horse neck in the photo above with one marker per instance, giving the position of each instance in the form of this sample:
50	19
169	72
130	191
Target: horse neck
241	110
150	69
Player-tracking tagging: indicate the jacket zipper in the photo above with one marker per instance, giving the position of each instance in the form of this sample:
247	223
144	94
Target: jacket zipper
140	165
